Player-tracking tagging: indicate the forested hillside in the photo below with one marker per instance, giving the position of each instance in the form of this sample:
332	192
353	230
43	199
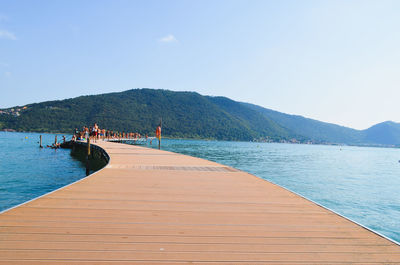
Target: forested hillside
184	114
313	129
385	133
187	115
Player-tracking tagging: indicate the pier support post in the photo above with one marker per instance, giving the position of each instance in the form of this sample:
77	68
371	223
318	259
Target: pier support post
159	137
87	157
40	142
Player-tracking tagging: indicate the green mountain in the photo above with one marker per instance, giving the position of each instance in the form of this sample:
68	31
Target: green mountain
184	114
312	129
385	133
189	115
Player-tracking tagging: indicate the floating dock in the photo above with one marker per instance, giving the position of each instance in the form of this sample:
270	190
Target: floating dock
156	207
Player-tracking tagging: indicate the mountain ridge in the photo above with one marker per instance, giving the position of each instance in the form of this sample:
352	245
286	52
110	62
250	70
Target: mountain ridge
188	115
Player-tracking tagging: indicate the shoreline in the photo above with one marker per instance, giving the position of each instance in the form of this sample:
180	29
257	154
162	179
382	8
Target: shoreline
395	146
239	141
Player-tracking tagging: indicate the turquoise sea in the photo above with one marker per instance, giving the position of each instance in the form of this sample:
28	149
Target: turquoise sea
361	183
27	171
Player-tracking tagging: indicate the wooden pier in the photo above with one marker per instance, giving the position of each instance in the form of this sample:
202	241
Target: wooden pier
156	207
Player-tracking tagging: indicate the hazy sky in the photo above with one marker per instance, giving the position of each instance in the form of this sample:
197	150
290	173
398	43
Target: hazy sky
335	61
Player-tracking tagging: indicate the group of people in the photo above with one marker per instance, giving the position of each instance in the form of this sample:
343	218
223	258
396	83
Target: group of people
56	144
95	133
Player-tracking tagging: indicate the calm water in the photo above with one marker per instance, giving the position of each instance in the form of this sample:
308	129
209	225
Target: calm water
26	171
360	183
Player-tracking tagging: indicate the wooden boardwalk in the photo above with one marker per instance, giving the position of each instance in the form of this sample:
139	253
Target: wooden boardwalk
156	207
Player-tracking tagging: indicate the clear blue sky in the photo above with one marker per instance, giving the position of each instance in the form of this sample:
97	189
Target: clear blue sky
335	61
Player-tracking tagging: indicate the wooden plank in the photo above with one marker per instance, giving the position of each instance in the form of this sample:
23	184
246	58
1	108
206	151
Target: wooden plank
185	247
198	256
255	240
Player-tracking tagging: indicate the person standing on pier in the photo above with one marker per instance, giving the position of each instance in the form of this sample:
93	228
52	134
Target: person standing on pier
95	131
158	135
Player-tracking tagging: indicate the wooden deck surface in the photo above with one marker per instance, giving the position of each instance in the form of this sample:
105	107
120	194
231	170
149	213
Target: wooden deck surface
155	207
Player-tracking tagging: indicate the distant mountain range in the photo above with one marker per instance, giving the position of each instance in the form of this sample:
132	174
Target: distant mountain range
188	115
